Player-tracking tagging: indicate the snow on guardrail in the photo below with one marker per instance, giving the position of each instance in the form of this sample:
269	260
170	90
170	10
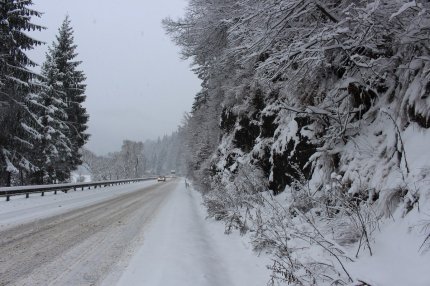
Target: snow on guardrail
27	190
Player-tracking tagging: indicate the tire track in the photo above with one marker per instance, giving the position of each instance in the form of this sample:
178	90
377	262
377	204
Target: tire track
40	252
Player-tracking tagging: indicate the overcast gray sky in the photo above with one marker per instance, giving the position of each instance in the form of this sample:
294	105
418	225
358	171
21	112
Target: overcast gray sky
137	86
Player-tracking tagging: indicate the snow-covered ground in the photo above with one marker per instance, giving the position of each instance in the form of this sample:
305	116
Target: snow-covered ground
179	246
399	256
183	248
21	210
81	174
176	246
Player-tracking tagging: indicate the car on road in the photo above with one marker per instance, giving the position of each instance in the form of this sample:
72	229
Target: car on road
161	179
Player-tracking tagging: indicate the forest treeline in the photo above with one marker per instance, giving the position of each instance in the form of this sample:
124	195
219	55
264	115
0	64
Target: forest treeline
138	159
324	103
42	121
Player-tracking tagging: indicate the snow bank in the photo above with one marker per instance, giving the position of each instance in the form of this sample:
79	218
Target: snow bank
183	248
398	257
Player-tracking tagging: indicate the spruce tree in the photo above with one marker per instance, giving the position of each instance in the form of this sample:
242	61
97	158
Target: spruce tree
19	127
63	53
55	147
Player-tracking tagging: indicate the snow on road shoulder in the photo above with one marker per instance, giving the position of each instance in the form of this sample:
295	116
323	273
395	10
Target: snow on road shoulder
399	256
21	210
181	247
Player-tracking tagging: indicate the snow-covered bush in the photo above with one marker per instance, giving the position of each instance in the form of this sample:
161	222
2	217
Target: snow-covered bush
325	102
233	198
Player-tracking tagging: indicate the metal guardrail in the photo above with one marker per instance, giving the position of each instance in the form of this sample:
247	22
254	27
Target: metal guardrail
27	190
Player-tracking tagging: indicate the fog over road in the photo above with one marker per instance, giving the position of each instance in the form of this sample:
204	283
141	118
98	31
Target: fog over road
81	246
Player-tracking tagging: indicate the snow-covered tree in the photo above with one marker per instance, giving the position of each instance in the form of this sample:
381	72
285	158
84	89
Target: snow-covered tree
19	125
128	163
63	53
54	149
312	100
138	159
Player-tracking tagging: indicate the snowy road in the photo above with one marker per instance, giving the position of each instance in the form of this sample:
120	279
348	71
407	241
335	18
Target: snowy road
146	234
183	248
79	246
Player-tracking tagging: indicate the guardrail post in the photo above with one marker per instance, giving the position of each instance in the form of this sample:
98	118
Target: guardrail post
43	194
82	188
7	198
27	195
55	192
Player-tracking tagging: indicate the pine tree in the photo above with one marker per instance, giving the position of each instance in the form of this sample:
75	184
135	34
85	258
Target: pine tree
18	123
64	54
55	147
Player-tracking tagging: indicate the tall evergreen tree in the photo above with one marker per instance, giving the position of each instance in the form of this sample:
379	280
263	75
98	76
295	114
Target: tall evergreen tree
63	53
54	150
19	127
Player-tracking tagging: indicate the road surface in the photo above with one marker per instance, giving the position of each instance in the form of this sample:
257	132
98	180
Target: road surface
81	246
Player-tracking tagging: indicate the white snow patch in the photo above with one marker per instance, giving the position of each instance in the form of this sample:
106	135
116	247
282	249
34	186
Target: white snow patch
398	259
182	248
404	8
21	210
